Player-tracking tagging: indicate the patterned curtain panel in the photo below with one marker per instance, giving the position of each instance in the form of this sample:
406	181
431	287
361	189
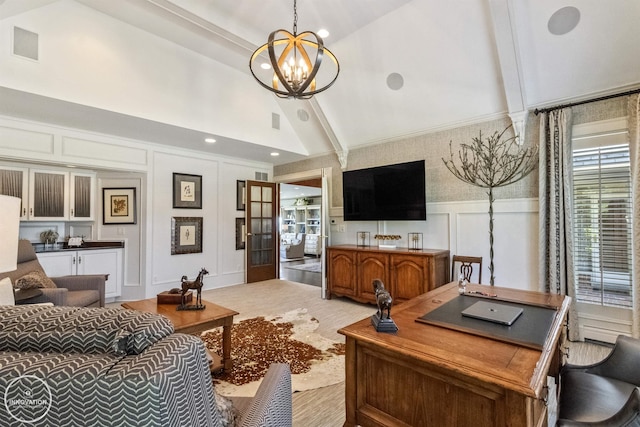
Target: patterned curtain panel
555	210
634	147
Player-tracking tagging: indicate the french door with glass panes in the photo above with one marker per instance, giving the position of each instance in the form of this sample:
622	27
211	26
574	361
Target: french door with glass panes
261	247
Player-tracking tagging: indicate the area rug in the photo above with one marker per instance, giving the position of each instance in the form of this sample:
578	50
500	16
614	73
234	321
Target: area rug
315	361
314	267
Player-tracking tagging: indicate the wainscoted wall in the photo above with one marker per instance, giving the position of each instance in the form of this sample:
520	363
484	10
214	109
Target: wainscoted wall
149	266
463	228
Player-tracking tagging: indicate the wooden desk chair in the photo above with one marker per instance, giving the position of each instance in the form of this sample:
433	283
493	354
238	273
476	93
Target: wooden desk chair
466	267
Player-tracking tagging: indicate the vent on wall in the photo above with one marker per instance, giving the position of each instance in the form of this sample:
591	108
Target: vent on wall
25	43
275	120
262	176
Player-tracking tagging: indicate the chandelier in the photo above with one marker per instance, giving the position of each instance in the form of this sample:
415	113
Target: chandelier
290	57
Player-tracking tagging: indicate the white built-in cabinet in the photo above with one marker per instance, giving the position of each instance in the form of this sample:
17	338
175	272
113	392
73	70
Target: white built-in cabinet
93	261
50	195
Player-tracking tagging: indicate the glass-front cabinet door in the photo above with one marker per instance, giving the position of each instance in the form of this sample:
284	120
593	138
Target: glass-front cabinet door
48	197
15	182
81	196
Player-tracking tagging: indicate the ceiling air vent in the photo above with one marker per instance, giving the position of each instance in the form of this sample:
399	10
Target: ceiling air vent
25	43
262	176
275	120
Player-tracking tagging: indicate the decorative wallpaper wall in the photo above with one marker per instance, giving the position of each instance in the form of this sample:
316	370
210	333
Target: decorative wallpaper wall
441	185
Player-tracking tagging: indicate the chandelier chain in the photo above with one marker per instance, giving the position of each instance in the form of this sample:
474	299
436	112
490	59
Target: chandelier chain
295	17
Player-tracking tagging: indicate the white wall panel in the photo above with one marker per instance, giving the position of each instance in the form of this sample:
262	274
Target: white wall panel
31	142
83	150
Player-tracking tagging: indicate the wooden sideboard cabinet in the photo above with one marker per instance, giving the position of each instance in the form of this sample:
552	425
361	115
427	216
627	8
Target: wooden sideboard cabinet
406	273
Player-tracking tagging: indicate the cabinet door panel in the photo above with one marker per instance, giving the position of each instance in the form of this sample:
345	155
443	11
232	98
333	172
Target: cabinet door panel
409	276
342	278
57	264
49	195
371	266
81	197
13	182
102	262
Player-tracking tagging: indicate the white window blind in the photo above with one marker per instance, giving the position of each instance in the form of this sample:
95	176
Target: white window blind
602	226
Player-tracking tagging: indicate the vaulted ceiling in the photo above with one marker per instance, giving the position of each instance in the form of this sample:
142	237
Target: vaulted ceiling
457	62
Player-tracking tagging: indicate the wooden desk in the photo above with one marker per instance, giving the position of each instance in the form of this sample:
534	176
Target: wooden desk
426	375
194	321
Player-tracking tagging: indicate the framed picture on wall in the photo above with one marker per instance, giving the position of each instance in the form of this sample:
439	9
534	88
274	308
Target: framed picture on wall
186	235
119	206
241	195
187	191
240	242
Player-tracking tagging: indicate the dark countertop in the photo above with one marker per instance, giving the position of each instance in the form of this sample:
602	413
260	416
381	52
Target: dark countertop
91	245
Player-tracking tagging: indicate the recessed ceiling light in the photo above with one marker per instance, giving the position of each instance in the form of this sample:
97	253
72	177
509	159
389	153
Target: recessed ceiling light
323	33
395	81
210	140
563	20
303	116
274	154
265	66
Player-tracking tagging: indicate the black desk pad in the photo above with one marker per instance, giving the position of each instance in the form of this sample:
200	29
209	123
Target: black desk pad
529	330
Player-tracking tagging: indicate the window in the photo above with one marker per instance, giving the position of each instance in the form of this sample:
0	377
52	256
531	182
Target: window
602	219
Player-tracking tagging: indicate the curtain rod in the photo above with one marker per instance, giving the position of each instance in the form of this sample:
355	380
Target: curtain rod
602	98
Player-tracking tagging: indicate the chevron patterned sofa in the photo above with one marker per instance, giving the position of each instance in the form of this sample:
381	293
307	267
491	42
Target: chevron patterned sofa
72	366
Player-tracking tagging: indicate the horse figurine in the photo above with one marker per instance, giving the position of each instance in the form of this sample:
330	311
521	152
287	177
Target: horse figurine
384	301
193	284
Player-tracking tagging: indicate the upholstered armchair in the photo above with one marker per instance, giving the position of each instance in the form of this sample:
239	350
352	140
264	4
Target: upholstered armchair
604	393
295	249
76	291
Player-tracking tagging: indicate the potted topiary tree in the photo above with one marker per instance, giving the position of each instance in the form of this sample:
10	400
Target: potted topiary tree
491	163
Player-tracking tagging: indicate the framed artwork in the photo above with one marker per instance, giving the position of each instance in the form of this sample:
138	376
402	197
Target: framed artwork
186	235
240	234
119	206
187	191
241	195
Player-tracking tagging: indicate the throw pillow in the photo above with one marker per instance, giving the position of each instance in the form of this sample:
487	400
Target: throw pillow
35	279
229	414
6	292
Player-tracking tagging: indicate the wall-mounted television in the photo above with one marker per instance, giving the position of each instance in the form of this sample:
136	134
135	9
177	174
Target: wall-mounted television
385	193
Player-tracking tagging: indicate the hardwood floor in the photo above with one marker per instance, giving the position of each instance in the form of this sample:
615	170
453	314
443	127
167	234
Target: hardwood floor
324	407
300	276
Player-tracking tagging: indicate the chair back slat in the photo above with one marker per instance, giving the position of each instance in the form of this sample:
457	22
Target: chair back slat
466	267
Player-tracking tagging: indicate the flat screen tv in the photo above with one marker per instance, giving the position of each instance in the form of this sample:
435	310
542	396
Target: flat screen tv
385	193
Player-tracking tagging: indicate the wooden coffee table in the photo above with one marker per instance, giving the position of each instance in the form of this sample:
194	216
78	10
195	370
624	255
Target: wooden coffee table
194	321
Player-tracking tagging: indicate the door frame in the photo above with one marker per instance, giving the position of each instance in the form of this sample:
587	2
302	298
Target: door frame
326	208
